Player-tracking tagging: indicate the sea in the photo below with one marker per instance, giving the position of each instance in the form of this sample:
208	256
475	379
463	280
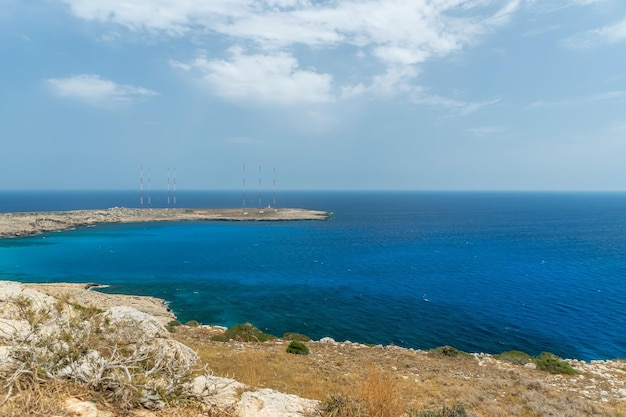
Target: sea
480	271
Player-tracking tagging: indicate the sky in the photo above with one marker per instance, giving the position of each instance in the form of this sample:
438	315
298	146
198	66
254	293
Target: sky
313	94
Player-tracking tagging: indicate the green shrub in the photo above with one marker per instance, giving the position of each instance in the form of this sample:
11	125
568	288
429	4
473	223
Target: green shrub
549	362
456	411
449	352
192	323
299	337
246	332
515	356
297	348
171	326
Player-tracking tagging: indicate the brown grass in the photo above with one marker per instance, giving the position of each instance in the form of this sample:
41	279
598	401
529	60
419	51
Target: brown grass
358	381
391	381
378	392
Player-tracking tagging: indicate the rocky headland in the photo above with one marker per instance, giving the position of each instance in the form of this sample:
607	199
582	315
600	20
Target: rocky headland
18	224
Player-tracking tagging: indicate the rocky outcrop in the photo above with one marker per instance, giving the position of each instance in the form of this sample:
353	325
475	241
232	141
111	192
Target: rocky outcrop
120	349
270	403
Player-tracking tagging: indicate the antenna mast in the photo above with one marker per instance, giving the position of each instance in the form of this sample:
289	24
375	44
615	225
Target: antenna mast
260	206
274	186
148	187
168	187
174	187
244	189
141	186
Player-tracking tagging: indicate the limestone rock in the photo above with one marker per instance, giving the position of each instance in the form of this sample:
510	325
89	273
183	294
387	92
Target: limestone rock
219	392
75	407
134	325
270	403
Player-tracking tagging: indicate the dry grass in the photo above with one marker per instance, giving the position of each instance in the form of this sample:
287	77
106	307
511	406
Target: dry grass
391	381
354	380
378	392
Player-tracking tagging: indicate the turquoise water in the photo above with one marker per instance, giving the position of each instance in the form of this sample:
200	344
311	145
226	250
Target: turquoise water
483	272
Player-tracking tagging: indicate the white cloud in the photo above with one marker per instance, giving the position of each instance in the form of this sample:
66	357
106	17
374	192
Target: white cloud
590	99
618	128
608	34
93	90
274	77
399	34
453	106
613	33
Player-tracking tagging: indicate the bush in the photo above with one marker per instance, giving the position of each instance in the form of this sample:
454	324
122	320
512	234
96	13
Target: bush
171	326
549	362
337	405
456	411
297	348
59	342
296	336
448	352
515	356
192	323
246	332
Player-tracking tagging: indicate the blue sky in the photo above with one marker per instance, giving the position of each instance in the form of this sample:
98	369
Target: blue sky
333	94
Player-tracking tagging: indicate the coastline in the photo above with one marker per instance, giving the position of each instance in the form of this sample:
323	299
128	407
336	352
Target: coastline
82	294
440	377
21	224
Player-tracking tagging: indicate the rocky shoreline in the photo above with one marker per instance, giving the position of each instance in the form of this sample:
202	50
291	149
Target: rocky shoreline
140	322
20	224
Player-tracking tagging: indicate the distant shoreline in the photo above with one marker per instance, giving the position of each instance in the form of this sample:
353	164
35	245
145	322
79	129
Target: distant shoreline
22	224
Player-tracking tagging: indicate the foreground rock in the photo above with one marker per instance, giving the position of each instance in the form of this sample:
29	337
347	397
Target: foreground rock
86	295
27	224
120	350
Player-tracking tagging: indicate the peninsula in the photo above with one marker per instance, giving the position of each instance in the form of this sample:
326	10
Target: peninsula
31	223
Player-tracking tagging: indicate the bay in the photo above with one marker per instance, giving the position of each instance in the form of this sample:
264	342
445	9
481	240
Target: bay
482	271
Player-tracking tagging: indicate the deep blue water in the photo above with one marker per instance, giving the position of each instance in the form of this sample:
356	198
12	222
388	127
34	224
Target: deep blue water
485	272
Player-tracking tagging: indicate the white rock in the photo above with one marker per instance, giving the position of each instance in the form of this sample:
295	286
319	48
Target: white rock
530	365
84	409
134	325
270	403
223	393
327	340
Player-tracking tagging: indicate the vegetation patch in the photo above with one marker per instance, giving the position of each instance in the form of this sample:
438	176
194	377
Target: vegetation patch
338	405
171	326
549	362
299	337
457	410
515	357
192	323
244	332
449	352
59	342
297	348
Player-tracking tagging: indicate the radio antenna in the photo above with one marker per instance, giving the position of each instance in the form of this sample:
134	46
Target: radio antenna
148	187
260	205
141	186
243	196
174	187
274	186
168	187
